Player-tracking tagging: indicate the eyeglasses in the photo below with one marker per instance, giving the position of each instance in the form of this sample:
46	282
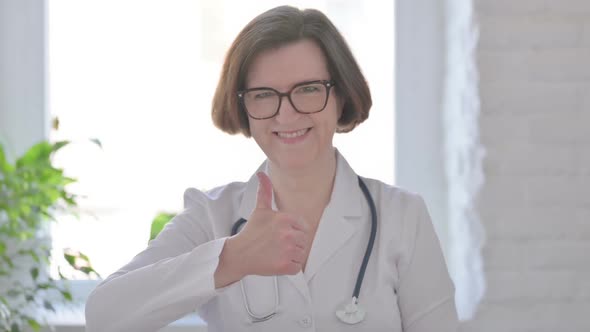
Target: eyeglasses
306	97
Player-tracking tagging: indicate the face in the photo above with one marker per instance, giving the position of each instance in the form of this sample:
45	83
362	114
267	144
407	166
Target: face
292	140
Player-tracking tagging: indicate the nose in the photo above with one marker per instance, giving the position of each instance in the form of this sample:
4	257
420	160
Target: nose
287	112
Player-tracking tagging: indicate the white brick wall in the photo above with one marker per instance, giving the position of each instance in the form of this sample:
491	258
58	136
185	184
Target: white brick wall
534	63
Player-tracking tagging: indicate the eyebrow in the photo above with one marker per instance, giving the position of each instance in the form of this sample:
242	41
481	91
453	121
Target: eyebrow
292	86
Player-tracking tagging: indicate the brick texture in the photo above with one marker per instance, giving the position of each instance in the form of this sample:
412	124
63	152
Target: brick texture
534	63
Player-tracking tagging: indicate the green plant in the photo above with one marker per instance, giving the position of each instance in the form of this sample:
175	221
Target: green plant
32	194
159	222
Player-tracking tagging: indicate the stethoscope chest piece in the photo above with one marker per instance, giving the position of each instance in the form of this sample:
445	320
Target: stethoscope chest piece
352	313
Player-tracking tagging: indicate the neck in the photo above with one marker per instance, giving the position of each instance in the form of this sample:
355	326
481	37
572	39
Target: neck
304	190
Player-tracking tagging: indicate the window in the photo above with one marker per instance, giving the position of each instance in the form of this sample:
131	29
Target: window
140	76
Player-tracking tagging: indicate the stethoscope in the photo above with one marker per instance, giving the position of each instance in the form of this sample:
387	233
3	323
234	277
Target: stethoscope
352	313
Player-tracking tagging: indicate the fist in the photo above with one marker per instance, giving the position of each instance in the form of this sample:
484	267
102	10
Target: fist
271	242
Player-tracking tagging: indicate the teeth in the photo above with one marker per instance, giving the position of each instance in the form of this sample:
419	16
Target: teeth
292	134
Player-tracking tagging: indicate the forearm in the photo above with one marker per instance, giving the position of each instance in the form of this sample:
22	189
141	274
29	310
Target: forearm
152	296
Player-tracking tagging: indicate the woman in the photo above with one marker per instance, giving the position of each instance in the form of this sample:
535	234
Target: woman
322	248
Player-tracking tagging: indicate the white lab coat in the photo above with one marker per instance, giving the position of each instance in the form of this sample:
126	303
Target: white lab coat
406	286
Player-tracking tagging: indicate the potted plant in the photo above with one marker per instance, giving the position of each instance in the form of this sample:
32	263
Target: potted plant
32	194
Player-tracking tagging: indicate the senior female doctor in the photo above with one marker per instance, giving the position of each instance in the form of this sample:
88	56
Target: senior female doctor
305	244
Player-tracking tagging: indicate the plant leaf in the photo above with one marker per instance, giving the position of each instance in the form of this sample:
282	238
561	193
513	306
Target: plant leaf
86	269
67	180
67	295
58	145
34	324
47	305
35	273
71	259
55	123
96	141
61	275
5	167
37	155
159	222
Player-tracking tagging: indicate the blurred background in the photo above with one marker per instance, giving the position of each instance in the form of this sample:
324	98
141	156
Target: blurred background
481	106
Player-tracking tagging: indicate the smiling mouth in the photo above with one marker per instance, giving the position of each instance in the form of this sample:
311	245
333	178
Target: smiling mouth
291	134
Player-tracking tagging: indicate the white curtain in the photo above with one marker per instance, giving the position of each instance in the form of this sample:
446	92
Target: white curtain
464	154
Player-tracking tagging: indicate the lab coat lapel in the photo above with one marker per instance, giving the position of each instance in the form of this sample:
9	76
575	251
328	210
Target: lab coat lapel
298	280
247	206
340	220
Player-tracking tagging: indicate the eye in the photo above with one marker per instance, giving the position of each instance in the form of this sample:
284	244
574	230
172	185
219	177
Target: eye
262	94
308	89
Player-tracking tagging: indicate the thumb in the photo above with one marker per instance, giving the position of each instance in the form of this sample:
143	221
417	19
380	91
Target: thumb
264	195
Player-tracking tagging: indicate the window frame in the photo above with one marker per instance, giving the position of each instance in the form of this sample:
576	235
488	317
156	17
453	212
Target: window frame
418	96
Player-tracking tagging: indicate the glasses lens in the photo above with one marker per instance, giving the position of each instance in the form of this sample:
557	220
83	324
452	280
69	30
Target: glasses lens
309	98
261	103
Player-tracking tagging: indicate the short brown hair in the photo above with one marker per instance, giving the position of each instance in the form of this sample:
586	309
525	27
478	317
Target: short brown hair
272	29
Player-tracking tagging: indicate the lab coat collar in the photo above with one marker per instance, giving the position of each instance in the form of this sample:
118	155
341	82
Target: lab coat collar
341	219
345	193
338	223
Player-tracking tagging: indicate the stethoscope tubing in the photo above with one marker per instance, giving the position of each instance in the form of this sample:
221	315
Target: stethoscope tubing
256	318
361	275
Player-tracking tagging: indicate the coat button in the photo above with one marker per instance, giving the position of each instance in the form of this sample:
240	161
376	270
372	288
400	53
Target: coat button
305	321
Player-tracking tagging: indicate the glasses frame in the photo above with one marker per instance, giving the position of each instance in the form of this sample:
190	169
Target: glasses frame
329	84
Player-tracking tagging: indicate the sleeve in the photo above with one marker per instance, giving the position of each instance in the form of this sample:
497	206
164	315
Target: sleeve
426	291
172	277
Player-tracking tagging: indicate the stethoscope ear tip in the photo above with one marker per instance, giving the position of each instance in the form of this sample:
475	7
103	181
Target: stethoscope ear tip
352	313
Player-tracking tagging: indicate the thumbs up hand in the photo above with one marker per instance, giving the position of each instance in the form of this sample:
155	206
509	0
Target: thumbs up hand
271	242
